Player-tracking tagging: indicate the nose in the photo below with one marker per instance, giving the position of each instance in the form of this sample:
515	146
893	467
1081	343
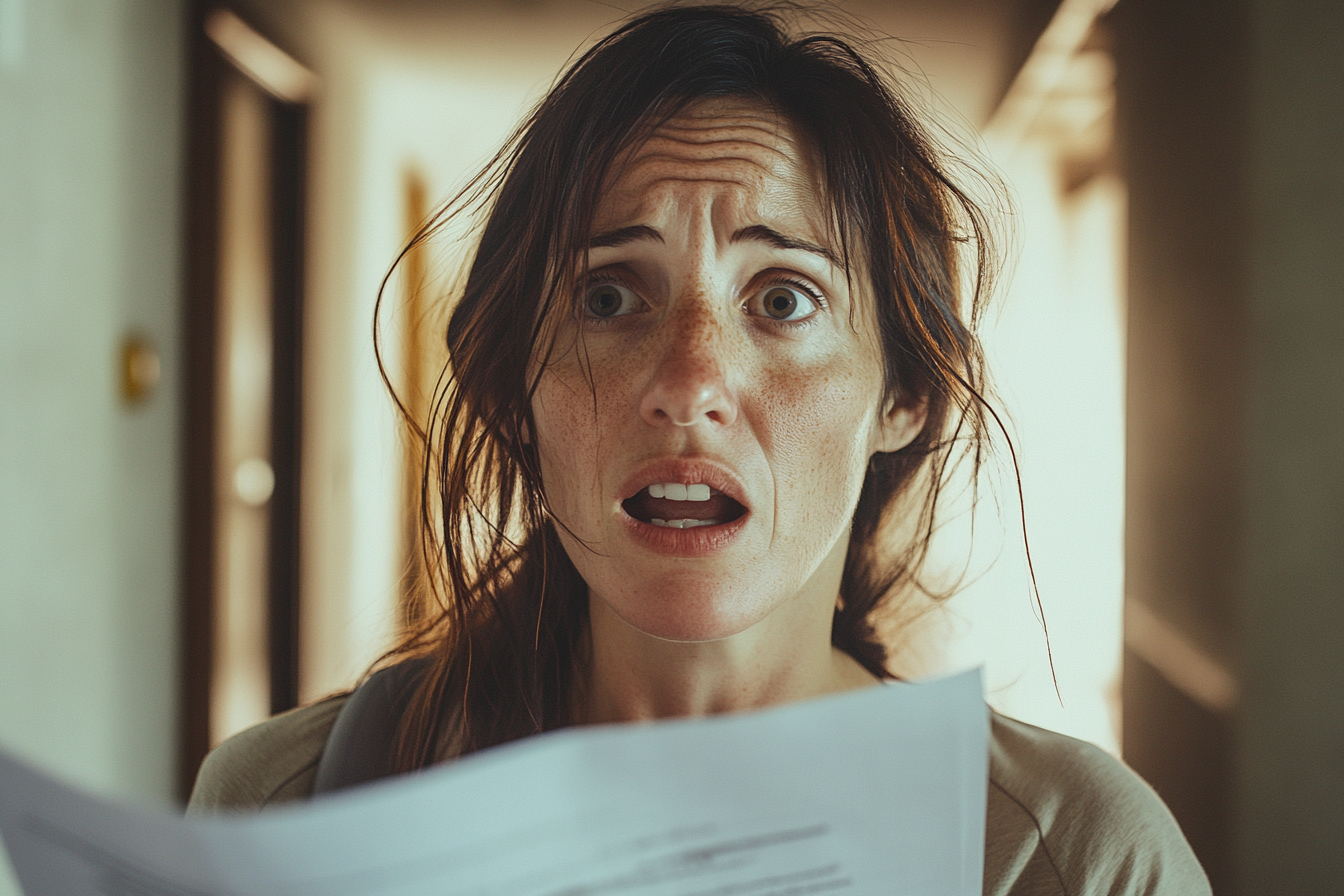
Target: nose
690	386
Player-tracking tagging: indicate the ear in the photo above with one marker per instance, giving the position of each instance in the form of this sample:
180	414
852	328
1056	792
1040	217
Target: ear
901	420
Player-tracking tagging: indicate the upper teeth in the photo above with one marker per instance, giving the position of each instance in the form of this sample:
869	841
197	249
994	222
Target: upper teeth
676	491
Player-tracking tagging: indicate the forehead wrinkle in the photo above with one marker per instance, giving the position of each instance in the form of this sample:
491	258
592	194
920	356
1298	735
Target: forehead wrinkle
742	134
725	162
710	163
643	199
670	147
709	114
736	147
722	132
642	185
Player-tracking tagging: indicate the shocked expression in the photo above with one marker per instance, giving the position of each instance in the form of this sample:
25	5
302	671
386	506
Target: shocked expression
706	420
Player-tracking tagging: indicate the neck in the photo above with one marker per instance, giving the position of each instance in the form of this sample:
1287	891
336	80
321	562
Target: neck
786	656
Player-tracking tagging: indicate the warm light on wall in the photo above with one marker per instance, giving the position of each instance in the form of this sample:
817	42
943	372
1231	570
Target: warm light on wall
271	68
240	685
1055	347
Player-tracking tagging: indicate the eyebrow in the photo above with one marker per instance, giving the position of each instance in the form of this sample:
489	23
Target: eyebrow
774	238
613	238
758	232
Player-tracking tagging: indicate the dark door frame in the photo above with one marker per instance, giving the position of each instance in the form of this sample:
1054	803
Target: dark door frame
207	69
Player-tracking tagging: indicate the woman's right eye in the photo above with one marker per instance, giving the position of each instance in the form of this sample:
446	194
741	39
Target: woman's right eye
608	300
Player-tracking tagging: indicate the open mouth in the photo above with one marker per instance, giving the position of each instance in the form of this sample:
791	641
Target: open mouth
677	505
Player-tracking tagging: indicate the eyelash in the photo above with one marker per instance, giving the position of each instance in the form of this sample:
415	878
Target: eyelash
801	285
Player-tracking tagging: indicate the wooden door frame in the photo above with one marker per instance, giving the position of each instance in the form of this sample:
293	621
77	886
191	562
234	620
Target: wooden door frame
207	70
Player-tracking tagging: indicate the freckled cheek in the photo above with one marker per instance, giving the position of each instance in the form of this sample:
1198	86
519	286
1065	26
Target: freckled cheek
818	420
573	433
563	413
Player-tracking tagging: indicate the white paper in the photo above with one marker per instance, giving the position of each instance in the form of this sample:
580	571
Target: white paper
874	791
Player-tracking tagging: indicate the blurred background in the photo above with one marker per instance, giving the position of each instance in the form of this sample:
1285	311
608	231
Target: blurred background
204	491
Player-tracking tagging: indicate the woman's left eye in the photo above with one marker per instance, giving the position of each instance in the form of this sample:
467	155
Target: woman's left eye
784	302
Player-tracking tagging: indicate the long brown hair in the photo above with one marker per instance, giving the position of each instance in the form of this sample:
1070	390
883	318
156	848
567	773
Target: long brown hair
500	643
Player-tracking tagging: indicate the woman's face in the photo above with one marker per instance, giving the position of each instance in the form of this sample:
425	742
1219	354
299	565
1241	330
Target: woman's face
709	474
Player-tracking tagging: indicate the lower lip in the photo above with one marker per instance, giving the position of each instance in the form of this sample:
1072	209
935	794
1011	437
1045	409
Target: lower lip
700	541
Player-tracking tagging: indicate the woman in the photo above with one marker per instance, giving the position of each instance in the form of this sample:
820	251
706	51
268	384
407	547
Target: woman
709	369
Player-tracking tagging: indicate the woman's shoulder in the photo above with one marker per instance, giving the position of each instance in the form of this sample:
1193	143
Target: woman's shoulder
1065	816
271	763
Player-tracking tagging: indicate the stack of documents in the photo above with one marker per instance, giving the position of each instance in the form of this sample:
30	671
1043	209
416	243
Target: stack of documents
877	791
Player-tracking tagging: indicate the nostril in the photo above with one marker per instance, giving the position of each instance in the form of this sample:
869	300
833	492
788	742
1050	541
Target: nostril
687	404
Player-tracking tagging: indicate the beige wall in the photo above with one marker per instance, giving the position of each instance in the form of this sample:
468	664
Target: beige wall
90	130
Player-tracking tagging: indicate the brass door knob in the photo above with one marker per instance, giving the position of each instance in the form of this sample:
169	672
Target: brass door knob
139	369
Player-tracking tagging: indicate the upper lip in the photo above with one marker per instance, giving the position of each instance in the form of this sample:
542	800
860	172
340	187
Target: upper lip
688	470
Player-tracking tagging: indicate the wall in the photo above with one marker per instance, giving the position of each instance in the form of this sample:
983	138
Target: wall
89	206
1231	116
1181	105
1290	743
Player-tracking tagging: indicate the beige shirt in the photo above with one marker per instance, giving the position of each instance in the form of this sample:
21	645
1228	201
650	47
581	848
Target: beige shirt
1064	817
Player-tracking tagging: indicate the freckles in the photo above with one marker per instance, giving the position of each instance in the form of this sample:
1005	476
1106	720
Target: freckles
580	411
566	444
557	407
807	402
815	416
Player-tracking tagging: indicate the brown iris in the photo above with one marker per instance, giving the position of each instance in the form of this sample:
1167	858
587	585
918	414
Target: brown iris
780	302
604	300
